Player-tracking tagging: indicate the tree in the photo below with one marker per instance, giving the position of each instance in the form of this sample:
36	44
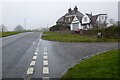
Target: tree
19	28
3	28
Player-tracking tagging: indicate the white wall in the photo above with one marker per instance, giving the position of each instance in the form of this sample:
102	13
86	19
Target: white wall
80	27
75	20
87	19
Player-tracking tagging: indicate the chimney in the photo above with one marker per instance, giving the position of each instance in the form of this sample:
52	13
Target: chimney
69	10
91	13
75	9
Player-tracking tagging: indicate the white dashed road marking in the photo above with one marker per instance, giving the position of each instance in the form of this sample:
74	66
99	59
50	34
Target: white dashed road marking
45	49
45	53
45	65
30	70
45	62
32	63
35	53
45	70
37	50
45	57
45	78
34	57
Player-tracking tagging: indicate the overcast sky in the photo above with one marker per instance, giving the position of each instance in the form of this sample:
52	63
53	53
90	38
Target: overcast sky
43	14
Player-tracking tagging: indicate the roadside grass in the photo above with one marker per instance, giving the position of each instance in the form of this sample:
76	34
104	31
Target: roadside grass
104	65
4	34
55	36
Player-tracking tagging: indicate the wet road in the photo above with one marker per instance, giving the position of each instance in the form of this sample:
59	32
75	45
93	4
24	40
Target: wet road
26	55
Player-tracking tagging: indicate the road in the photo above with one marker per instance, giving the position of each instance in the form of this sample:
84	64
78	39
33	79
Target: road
26	55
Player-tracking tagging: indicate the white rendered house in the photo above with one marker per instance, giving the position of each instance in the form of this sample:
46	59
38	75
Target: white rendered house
75	20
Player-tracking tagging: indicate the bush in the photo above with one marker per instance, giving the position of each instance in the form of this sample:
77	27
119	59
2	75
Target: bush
55	28
110	32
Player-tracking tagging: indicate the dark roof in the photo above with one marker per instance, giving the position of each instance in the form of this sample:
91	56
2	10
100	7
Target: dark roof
78	14
102	14
94	18
89	15
61	19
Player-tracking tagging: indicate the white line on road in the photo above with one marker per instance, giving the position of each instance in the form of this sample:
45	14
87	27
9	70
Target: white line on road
45	65
32	63
45	70
45	57
45	78
34	42
45	53
45	49
45	62
35	53
34	57
37	50
40	40
30	70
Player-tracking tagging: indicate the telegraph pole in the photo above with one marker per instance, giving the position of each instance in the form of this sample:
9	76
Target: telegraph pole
25	23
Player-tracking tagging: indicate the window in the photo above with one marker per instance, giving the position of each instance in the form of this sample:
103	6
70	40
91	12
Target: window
75	26
85	19
68	19
102	17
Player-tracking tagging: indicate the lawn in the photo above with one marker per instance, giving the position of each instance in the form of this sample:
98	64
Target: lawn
104	65
4	34
55	36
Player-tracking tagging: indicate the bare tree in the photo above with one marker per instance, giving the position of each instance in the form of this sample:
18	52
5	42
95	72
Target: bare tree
19	28
3	28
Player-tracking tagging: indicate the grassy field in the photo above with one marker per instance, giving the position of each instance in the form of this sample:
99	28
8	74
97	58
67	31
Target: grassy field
54	36
4	34
104	65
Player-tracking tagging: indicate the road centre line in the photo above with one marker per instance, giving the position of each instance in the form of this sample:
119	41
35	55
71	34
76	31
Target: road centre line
35	53
45	49
45	62
32	63
45	70
34	57
30	70
37	50
45	57
45	53
45	78
45	65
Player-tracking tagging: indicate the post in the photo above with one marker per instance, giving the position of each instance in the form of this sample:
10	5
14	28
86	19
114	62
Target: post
25	23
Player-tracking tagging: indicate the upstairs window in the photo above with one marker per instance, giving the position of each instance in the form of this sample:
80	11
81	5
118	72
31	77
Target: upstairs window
75	26
102	17
69	19
85	19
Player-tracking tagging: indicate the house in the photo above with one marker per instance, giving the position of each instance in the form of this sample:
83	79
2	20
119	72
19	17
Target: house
75	20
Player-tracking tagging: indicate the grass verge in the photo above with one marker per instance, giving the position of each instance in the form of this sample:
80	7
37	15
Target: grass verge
104	65
4	34
54	36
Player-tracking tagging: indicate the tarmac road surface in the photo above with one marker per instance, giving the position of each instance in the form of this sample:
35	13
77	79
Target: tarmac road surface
26	55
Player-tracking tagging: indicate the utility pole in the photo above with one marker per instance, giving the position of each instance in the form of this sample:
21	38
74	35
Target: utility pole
47	26
25	23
